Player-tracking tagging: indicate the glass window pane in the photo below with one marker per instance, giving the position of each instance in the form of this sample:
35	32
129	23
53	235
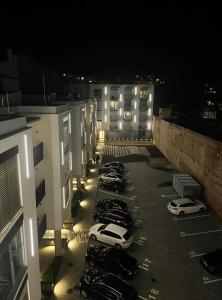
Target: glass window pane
5	275
17	253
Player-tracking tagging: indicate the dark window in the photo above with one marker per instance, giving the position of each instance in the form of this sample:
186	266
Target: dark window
38	154
98	93
127	235
42	225
40	192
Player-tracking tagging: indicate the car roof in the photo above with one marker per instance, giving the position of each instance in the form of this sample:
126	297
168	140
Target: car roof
117	229
182	201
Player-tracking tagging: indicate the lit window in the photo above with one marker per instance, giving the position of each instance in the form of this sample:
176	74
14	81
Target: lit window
135	90
134	119
135	105
121	97
149	112
120	125
105	104
105	90
120	111
105	118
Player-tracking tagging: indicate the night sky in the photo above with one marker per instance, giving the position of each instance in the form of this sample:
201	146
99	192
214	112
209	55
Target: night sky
112	39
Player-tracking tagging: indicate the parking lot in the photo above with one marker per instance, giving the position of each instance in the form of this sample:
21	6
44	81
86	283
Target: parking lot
167	247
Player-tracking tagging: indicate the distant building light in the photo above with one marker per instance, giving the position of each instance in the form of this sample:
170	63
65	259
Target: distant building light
157	79
105	90
134	119
120	97
90	81
82	78
137	76
64	74
135	104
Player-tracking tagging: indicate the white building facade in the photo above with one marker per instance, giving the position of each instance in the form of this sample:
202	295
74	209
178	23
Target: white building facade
124	111
19	259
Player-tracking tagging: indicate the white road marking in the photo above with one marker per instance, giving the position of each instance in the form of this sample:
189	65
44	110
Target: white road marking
198	233
143	298
143	238
141	267
213	280
196	255
185	218
166	196
117	195
138	243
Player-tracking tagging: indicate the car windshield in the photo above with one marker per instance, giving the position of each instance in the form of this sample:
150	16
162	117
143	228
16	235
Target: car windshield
102	227
173	204
127	235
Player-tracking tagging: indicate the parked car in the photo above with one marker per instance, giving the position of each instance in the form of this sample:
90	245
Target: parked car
113	184
186	206
115	164
111	176
212	261
114	216
113	260
109	169
101	286
106	204
111	234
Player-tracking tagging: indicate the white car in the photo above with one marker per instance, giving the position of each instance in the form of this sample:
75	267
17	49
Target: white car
111	234
186	206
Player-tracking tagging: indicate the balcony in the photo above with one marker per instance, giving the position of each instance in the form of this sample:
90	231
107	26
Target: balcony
38	154
40	192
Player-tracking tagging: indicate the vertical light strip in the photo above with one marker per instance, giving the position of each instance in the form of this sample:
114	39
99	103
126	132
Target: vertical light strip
135	104
26	156
120	111
85	112
20	179
120	97
120	125
134	119
135	90
105	104
90	139
28	288
85	137
105	118
149	112
82	157
81	128
150	97
62	153
70	160
31	237
64	197
148	125
105	90
70	125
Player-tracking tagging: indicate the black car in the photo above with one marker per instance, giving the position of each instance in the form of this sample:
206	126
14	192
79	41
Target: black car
113	185
105	286
108	169
212	261
115	164
107	204
113	260
114	216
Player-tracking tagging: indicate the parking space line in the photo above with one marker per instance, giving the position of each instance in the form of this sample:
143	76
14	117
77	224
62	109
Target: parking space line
141	267
211	281
117	195
185	218
143	298
183	234
166	196
141	244
196	255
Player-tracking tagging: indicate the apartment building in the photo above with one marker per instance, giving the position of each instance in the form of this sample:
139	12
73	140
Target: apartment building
124	111
19	259
51	134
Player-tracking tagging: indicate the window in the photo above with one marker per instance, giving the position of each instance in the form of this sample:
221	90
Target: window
67	164
9	188
144	93
127	115
66	134
113	105
98	93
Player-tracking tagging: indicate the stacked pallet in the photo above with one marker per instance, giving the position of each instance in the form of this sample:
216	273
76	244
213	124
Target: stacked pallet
186	186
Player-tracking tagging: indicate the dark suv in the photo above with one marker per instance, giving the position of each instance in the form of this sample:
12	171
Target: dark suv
114	216
105	286
107	204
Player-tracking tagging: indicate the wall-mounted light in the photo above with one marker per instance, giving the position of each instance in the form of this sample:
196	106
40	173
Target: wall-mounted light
62	153
135	90
135	104
26	156
120	111
120	97
149	112
64	197
105	90
105	118
105	104
150	97
120	125
134	119
31	237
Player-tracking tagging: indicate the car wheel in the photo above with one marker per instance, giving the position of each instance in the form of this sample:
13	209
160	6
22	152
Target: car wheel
118	246
201	210
93	237
91	263
181	213
84	294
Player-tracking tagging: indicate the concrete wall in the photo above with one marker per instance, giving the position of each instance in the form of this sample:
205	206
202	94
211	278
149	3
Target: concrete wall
195	154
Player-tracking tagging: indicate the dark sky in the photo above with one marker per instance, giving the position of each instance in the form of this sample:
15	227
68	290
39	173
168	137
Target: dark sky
109	38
